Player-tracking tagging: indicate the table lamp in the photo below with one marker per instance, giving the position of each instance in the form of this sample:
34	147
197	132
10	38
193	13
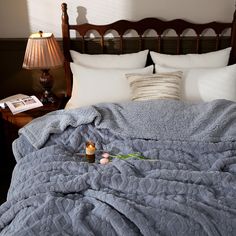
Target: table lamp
43	52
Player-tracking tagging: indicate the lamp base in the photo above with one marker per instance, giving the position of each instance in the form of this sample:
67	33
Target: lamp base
46	80
47	97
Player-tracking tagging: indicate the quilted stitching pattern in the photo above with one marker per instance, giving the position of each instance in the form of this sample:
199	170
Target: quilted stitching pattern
185	187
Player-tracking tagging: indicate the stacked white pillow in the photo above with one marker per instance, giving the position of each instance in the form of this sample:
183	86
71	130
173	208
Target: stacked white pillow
214	59
206	84
121	61
92	86
206	77
101	78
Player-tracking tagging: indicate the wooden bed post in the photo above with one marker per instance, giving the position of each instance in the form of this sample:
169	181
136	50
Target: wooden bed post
66	48
233	40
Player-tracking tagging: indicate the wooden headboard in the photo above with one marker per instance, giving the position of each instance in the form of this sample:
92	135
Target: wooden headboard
179	44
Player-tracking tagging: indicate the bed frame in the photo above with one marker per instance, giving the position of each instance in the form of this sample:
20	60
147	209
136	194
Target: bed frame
179	44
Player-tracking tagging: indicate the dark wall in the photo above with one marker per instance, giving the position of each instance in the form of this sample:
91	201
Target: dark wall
14	79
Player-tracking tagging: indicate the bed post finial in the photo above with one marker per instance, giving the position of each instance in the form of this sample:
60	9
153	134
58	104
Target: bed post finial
64	16
66	47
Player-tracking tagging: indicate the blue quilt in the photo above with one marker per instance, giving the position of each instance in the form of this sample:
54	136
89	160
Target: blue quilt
185	185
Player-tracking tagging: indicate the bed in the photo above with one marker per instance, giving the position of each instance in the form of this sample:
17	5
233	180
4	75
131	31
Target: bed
159	113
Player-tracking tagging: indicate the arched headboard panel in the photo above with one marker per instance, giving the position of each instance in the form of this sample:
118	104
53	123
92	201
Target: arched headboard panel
177	44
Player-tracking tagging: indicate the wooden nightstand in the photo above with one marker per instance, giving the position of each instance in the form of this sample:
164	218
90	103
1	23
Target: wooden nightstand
10	124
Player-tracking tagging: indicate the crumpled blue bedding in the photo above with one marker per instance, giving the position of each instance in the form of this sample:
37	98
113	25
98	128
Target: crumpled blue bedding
186	185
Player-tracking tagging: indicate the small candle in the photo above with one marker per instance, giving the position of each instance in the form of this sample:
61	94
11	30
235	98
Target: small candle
90	148
90	151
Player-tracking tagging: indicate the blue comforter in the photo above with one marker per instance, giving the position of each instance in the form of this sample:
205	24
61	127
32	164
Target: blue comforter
186	185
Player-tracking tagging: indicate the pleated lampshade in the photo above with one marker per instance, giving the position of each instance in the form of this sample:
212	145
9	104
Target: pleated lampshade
42	52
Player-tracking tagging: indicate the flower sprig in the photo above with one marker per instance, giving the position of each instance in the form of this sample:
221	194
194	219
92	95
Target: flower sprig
130	155
106	157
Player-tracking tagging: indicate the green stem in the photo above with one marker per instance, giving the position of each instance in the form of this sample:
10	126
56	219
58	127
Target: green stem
125	156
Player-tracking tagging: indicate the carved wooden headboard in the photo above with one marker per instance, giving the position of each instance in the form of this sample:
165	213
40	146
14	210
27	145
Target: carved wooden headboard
179	44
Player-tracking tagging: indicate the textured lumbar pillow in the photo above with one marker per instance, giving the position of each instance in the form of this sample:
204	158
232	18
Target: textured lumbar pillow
155	86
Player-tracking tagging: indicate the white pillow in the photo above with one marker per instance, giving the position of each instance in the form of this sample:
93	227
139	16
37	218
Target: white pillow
155	86
93	85
207	84
128	60
218	58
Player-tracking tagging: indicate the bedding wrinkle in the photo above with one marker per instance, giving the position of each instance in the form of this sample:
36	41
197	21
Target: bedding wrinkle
185	185
170	124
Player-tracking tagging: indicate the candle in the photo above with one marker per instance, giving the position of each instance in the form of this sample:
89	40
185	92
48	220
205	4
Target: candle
90	148
90	151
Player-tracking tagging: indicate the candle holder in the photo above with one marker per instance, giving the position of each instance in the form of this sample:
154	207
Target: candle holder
90	151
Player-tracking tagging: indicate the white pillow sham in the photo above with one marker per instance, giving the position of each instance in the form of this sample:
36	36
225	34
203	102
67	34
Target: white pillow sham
218	58
206	84
128	60
92	86
155	86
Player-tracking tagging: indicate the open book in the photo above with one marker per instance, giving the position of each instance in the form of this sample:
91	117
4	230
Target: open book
20	102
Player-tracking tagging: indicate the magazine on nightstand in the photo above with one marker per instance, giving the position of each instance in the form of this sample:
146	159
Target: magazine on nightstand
20	102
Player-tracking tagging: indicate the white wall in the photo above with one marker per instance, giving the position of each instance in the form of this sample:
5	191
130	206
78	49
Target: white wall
19	18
